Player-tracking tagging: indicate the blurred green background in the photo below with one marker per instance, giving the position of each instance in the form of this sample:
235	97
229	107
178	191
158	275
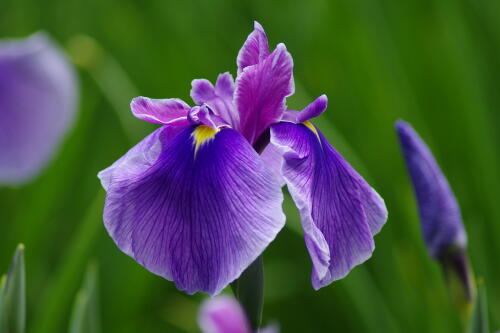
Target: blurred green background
433	63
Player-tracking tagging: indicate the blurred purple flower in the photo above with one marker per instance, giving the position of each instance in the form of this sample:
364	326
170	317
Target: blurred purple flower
38	94
223	314
439	211
195	203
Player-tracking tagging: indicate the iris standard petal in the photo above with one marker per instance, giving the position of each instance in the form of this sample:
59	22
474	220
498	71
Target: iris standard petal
340	212
172	111
223	314
254	50
219	98
261	91
38	99
200	213
439	211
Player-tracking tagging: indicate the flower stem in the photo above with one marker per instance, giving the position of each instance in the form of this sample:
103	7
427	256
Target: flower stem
249	290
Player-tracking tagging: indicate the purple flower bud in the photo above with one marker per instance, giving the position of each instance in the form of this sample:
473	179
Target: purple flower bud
442	226
439	212
38	94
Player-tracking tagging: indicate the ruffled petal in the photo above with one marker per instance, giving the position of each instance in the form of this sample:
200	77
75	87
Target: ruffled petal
219	98
223	314
204	115
261	91
254	50
439	211
316	108
38	100
196	209
340	212
172	111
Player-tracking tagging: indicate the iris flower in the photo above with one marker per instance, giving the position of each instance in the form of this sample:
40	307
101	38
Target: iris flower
441	220
196	203
223	314
38	95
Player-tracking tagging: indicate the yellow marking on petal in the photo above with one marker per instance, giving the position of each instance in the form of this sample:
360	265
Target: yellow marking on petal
311	127
201	135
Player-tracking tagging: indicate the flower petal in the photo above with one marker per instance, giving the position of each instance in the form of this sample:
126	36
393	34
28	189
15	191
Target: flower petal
317	107
261	91
340	212
439	211
219	98
38	99
254	50
196	209
223	314
172	111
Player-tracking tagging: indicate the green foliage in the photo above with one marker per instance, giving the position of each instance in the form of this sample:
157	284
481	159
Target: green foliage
433	63
479	322
85	316
13	295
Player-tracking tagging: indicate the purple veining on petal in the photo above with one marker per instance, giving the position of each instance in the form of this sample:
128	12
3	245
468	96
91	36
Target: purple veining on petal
172	111
254	50
38	100
340	212
223	314
196	219
439	211
261	91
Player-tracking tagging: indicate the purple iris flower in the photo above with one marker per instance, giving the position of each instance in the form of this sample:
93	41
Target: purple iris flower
194	201
439	211
223	314
38	95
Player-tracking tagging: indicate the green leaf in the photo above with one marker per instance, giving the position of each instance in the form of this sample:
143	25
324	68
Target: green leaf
249	290
13	295
479	321
85	316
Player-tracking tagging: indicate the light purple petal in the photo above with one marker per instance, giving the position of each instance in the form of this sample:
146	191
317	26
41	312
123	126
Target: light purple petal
205	115
261	91
38	99
340	212
439	211
202	91
196	212
254	50
317	107
172	111
223	314
219	98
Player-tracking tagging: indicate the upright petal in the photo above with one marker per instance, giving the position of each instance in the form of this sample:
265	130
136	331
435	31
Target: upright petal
254	50
316	108
196	209
38	99
340	212
261	91
172	111
439	211
219	98
223	314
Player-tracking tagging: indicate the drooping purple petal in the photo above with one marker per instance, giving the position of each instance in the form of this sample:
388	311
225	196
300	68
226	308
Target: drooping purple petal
172	111
38	98
254	50
223	314
340	212
316	108
439	211
196	209
219	98
261	91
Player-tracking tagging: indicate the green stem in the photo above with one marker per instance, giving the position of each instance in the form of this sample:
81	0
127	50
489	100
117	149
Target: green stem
249	290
